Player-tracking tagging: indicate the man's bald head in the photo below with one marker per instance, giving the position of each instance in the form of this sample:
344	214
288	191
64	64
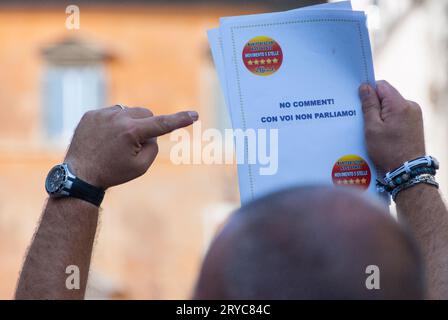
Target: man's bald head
311	243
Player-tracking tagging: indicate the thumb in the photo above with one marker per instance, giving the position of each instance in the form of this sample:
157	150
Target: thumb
371	106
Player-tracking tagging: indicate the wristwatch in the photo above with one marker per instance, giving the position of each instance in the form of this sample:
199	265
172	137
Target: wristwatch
61	182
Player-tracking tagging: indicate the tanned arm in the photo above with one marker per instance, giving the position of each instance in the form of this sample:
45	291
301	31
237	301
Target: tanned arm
394	134
110	146
424	211
65	237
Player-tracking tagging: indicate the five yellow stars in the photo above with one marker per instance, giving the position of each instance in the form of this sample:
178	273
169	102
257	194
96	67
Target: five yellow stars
352	181
262	61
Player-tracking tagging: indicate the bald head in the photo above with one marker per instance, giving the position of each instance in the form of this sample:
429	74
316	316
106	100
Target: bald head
311	243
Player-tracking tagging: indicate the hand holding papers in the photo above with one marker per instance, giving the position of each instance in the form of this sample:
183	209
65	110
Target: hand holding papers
292	79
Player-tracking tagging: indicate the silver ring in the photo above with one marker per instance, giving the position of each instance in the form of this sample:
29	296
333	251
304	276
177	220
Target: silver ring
122	107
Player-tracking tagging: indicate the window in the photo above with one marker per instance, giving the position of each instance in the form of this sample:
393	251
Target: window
69	93
74	82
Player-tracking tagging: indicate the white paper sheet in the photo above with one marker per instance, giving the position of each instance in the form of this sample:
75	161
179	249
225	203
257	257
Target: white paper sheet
325	57
214	39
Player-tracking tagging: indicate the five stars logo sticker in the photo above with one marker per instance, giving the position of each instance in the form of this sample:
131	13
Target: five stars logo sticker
352	171
262	56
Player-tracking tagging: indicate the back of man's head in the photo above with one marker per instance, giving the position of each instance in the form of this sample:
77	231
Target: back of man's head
312	243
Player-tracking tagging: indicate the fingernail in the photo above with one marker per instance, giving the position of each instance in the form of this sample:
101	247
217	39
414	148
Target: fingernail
193	115
364	91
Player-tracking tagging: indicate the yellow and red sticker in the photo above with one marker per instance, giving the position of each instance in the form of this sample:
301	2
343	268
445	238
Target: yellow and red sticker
353	171
262	56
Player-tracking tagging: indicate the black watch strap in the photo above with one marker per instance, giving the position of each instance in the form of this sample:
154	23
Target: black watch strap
85	191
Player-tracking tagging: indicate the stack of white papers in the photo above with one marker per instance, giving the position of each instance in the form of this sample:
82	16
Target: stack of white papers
291	79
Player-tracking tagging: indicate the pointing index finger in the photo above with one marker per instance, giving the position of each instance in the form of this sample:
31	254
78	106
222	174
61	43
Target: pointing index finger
159	125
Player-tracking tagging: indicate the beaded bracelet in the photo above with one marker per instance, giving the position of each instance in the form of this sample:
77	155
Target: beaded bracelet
408	166
424	178
405	177
411	173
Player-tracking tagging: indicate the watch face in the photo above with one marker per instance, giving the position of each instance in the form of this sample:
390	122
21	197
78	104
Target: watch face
55	179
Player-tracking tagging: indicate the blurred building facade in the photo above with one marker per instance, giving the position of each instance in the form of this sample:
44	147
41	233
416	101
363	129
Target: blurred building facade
153	231
410	44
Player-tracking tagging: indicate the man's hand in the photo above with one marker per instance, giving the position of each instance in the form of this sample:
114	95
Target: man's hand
394	134
393	126
112	146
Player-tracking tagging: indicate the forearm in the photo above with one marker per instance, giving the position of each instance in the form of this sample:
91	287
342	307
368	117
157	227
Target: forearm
64	237
422	208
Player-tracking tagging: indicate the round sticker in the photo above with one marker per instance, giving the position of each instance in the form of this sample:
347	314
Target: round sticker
262	56
353	171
